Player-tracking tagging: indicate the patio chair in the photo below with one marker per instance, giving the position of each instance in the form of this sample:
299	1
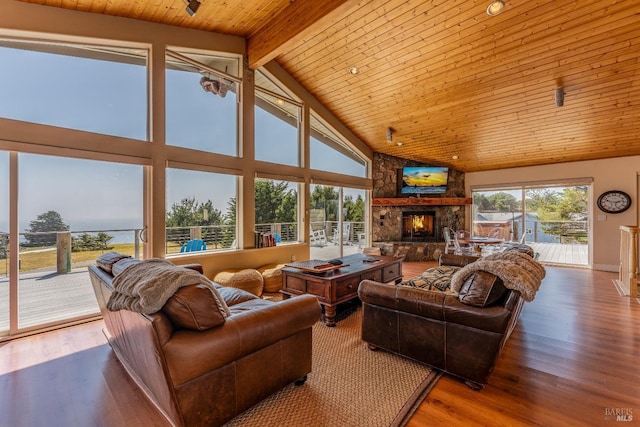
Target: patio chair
194	246
346	233
318	238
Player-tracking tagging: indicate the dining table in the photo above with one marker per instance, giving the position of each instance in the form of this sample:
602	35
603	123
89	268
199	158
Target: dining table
479	243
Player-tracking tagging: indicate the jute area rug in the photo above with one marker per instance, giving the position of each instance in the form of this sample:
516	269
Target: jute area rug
349	385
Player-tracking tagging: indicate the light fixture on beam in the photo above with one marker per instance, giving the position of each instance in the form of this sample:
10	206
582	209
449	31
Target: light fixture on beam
192	6
495	8
559	97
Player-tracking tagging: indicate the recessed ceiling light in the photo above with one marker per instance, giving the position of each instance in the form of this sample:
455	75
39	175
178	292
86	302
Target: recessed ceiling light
454	157
354	71
495	8
399	144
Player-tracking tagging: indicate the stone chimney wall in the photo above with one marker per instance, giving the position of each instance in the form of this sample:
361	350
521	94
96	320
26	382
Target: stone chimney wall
386	220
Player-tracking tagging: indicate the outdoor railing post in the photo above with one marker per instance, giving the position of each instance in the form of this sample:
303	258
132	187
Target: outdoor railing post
63	252
136	244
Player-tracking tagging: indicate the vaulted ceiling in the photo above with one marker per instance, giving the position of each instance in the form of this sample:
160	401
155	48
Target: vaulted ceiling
446	77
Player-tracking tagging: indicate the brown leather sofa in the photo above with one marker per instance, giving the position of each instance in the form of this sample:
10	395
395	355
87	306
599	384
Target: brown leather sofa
437	328
203	375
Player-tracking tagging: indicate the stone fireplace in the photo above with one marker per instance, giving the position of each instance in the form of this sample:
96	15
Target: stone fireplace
392	226
419	226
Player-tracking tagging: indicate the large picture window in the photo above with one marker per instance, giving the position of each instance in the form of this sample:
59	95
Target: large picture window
330	153
202	103
276	124
201	211
276	210
88	88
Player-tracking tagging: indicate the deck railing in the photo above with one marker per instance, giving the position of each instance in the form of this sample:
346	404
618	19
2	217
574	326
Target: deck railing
628	275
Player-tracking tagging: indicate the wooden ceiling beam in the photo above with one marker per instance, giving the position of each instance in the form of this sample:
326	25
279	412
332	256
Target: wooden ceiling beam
299	20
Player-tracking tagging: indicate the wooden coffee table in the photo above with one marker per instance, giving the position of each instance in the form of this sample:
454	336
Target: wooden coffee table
340	285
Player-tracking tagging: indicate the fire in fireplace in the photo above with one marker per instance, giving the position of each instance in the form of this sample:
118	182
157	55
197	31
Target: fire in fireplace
419	226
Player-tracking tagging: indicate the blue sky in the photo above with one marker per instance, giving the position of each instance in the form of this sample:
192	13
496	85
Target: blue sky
110	98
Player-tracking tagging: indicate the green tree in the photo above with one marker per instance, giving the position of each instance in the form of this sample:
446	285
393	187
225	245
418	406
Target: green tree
354	208
504	202
190	213
102	240
275	202
86	242
481	202
326	198
48	221
557	210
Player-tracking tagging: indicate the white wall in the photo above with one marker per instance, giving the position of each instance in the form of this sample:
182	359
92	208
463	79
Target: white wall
609	174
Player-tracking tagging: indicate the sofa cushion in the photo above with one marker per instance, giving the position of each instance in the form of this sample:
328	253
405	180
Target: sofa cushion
434	279
196	307
233	296
107	260
481	289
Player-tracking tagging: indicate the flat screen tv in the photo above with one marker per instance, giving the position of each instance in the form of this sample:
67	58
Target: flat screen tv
423	180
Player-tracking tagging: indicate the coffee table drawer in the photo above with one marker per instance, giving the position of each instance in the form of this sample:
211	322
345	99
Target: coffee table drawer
391	272
375	275
348	286
295	284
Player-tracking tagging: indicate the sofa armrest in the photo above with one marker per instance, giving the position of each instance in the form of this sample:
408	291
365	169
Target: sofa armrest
241	334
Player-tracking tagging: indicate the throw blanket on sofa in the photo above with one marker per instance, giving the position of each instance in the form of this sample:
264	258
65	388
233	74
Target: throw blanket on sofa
517	270
146	286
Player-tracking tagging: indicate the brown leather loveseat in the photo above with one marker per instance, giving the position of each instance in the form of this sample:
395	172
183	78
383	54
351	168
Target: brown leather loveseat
459	333
201	367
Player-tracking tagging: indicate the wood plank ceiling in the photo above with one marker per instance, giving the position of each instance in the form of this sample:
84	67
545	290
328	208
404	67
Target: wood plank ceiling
446	77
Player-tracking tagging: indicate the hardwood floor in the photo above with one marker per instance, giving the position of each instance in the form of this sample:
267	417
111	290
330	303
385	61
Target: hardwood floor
571	360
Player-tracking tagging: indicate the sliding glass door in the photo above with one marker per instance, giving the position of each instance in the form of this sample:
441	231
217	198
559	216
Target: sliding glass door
337	221
4	243
552	218
69	212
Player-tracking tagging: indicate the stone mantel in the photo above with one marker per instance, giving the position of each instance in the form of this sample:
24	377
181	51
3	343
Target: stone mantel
421	201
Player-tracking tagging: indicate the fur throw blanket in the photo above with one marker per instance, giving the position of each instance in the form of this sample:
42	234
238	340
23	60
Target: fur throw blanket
517	270
146	286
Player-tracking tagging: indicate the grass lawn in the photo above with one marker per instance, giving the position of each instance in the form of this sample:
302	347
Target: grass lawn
38	258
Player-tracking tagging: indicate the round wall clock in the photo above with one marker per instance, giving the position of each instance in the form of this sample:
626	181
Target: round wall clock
614	201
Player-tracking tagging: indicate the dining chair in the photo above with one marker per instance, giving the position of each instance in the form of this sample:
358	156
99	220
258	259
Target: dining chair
495	233
449	245
462	245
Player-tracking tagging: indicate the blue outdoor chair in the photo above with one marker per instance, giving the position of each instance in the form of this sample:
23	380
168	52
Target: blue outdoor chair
193	246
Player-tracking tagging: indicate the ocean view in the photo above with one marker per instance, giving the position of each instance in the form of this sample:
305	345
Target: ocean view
125	228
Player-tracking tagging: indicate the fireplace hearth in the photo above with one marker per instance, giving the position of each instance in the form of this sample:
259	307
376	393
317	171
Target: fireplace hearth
419	226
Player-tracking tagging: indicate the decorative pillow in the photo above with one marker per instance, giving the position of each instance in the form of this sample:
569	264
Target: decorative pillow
196	307
481	289
433	279
106	261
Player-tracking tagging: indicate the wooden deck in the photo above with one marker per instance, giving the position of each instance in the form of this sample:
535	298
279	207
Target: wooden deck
558	253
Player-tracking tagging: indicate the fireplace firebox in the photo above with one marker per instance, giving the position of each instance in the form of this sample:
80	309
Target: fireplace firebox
419	226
